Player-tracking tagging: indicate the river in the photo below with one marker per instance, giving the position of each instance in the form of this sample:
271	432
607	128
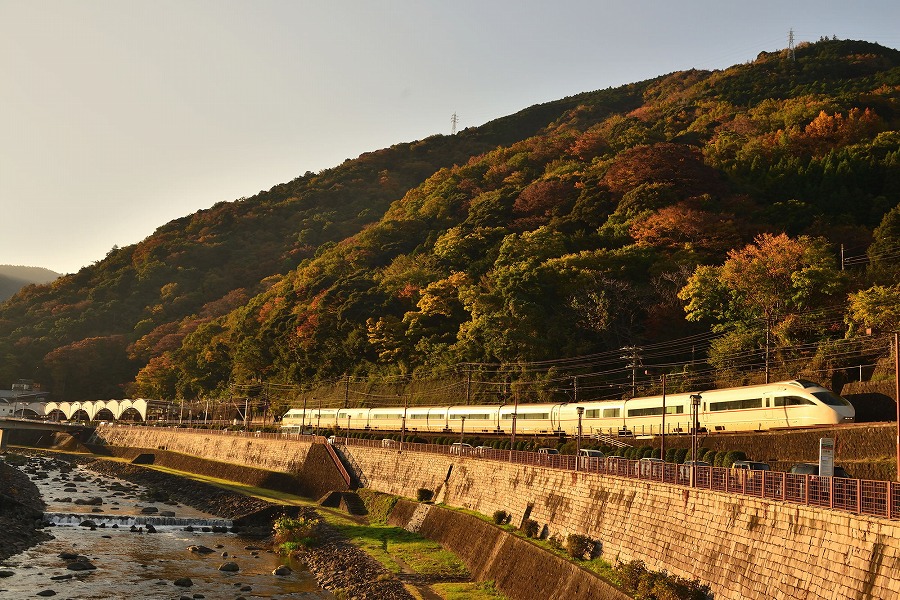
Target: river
129	560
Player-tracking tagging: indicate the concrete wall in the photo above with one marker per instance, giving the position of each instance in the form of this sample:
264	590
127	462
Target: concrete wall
744	548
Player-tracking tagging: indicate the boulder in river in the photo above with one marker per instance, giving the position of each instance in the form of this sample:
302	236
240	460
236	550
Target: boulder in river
183	582
81	565
282	570
230	567
200	549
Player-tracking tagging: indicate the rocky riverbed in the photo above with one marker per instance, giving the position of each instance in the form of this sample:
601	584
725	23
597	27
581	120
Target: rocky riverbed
337	565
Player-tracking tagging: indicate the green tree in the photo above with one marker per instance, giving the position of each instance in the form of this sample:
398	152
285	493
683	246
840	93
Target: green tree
769	287
877	307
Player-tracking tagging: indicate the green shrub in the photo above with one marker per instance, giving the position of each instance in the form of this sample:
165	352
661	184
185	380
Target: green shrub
531	528
424	495
501	517
292	534
671	454
680	455
579	546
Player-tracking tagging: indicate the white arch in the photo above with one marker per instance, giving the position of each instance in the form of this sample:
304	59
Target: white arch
91	407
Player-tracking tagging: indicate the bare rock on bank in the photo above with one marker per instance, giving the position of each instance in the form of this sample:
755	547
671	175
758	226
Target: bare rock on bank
21	512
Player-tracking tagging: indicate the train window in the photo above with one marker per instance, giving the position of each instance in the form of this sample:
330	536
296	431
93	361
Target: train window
791	401
417	416
475	416
735	404
830	399
387	416
596	413
526	416
654	410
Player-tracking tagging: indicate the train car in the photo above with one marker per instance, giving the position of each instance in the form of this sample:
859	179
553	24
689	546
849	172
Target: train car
473	418
426	418
794	403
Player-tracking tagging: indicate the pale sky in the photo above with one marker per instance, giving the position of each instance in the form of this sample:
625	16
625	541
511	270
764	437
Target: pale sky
117	116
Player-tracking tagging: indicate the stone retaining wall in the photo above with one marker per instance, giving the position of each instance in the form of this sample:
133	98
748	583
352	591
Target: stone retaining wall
744	548
309	466
518	568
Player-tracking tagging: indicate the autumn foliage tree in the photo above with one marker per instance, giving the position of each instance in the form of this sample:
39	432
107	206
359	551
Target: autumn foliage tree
769	288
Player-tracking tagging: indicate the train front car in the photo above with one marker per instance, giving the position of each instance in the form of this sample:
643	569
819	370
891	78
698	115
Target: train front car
820	406
794	403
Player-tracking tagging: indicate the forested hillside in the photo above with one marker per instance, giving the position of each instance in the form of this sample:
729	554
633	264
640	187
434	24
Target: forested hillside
699	205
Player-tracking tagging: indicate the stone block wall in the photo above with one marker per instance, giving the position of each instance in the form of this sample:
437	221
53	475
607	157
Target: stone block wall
310	465
280	454
517	567
744	548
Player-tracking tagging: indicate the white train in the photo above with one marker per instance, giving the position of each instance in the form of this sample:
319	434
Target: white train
795	403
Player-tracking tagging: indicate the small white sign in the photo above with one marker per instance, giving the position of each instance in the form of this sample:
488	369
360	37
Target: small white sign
826	457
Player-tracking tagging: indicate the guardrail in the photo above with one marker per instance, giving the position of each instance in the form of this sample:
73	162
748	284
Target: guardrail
865	497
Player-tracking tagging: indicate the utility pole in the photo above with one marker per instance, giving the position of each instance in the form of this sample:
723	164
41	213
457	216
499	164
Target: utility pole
897	393
791	44
346	390
634	357
453	121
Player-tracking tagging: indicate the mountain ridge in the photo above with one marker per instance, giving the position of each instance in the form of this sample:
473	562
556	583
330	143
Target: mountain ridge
436	251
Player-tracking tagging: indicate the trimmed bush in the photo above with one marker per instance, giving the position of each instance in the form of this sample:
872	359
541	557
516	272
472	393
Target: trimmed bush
720	458
733	456
424	495
501	517
680	455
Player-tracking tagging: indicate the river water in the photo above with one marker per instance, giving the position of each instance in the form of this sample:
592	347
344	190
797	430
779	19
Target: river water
132	562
